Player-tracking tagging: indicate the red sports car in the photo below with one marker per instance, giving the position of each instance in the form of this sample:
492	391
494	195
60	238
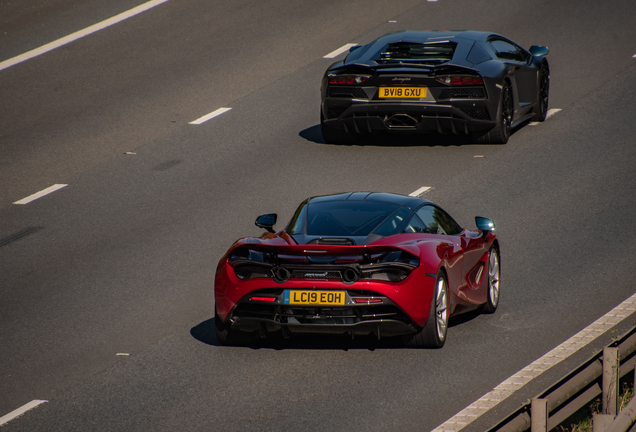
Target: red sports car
357	263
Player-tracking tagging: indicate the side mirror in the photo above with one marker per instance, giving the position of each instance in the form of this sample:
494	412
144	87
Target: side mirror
484	224
355	47
537	50
266	221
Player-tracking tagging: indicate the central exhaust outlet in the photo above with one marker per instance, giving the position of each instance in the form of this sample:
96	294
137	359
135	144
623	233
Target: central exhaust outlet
401	121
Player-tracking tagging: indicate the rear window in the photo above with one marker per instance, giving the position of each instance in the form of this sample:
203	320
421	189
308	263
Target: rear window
417	53
343	218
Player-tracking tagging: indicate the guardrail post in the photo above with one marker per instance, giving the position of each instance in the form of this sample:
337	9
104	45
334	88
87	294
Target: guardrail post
539	415
610	381
602	422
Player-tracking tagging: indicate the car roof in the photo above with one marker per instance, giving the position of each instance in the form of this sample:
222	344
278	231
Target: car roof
461	37
397	199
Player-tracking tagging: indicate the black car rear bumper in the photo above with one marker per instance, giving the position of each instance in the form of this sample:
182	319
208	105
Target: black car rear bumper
461	117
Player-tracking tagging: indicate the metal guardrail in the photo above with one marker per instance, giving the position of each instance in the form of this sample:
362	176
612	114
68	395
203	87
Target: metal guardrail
600	375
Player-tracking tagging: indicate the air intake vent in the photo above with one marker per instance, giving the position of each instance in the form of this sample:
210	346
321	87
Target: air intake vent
347	92
463	93
476	113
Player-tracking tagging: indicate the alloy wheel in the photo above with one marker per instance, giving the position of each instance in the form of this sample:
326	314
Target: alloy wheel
441	308
493	277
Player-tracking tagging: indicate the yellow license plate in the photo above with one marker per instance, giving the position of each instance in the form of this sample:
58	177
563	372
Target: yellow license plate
300	297
402	92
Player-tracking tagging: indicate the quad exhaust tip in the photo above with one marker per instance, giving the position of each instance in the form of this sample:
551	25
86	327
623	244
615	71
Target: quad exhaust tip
350	276
282	275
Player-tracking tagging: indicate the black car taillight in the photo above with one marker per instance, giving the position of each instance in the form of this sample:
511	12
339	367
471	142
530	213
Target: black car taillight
347	79
460	80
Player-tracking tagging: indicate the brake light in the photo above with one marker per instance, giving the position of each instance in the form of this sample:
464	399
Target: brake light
265	299
460	80
347	79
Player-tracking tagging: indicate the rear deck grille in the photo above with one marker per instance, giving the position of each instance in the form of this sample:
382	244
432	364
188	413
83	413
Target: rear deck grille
247	271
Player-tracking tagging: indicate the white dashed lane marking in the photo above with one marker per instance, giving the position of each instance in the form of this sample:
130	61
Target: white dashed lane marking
344	48
80	34
40	194
550	113
536	368
24	408
210	116
420	191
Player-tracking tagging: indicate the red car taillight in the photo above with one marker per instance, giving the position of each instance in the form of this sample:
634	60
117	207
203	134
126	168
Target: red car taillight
367	300
347	79
460	80
264	299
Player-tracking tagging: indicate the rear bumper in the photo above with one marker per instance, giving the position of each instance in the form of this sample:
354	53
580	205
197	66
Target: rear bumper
380	316
379	328
460	117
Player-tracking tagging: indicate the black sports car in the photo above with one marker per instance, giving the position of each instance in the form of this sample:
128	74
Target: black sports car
460	82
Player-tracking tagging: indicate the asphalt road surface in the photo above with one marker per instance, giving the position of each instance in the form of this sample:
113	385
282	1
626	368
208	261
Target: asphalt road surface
122	259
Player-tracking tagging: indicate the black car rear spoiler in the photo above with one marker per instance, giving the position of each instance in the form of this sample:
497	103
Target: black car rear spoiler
431	69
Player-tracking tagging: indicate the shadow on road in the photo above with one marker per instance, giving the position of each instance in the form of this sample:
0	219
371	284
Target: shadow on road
314	135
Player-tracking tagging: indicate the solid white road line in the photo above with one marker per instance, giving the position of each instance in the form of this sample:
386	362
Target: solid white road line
336	53
536	368
40	194
420	191
13	414
549	114
80	34
209	116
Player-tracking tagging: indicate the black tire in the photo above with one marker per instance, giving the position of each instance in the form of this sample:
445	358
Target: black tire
501	132
433	335
493	275
229	337
334	136
543	94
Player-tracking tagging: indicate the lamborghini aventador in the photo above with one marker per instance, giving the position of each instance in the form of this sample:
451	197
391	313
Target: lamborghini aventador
472	83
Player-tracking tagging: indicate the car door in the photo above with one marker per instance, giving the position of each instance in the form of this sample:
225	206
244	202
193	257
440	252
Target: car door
433	220
470	267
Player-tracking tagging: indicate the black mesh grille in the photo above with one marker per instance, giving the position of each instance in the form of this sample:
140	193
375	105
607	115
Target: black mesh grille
346	92
335	112
308	274
252	271
463	93
477	113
